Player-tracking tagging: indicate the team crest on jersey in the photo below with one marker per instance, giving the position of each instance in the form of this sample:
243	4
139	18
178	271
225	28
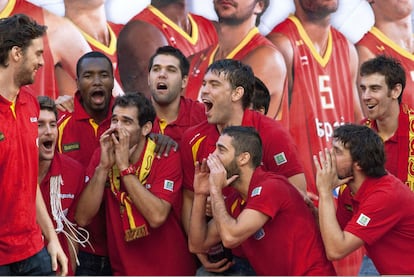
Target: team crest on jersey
363	220
2	137
280	158
259	234
256	191
169	185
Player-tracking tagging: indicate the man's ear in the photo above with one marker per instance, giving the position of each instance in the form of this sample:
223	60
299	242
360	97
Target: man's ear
244	158
184	82
146	128
237	94
396	91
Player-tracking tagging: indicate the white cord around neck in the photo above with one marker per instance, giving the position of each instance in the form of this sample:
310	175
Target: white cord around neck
73	233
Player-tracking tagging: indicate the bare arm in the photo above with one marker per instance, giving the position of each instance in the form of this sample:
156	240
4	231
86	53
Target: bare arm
353	55
54	248
137	42
338	243
91	197
283	44
268	65
59	30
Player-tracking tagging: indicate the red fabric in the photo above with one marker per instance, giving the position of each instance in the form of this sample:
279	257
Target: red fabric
190	113
207	134
201	61
385	46
20	235
273	250
321	97
165	250
45	78
78	131
73	176
387	202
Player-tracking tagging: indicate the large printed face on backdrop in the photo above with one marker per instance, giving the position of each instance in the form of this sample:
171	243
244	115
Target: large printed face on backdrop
319	8
392	9
234	12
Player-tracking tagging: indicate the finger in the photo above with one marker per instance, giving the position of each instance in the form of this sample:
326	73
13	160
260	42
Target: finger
316	162
328	158
232	179
63	267
53	258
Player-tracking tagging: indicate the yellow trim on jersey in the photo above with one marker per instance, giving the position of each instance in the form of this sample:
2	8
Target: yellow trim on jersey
94	125
163	124
60	133
110	50
302	32
240	46
8	9
383	38
410	178
195	147
194	27
13	108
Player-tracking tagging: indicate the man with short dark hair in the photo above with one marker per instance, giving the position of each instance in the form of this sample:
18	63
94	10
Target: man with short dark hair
24	217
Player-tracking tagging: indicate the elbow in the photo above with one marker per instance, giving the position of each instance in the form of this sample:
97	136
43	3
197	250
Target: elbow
195	249
82	221
230	241
157	221
334	255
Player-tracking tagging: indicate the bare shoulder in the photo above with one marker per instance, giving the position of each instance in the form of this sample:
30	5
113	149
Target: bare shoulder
144	30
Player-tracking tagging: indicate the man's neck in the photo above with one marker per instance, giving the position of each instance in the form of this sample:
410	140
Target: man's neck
134	157
169	112
399	31
8	89
82	16
242	183
44	166
230	36
388	125
317	30
235	120
178	13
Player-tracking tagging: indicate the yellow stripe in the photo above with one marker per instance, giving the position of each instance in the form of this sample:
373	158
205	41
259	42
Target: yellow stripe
61	129
94	125
195	148
383	38
240	46
163	124
107	49
410	178
194	28
8	9
13	109
302	32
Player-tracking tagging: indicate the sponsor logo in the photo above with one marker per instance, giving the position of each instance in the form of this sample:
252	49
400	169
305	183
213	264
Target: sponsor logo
71	147
33	119
2	137
363	220
326	129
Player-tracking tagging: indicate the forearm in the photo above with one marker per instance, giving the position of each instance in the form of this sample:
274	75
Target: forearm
224	222
197	231
91	197
331	232
152	208
188	197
